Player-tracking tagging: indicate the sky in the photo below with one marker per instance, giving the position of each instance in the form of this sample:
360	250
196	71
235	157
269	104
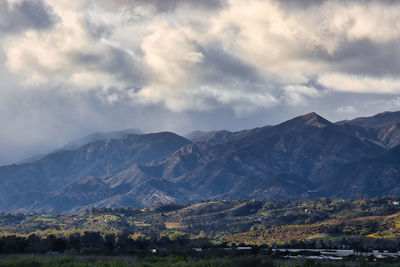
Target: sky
70	68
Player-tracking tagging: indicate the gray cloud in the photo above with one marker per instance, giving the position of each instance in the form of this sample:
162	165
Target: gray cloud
112	60
368	58
165	5
97	30
310	3
360	57
220	67
25	15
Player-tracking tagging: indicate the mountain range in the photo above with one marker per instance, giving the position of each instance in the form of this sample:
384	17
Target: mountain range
305	157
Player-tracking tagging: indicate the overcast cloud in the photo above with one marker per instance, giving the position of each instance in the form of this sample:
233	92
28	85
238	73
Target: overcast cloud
68	68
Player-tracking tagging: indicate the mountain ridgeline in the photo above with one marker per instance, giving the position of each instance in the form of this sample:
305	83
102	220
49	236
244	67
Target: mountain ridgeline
305	157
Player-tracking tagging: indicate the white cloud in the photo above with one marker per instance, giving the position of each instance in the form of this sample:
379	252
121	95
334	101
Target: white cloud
360	84
295	95
363	20
241	101
346	110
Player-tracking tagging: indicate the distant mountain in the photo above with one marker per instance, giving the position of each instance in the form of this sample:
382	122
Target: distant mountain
383	119
99	159
31	158
305	157
220	137
383	128
217	137
195	134
97	136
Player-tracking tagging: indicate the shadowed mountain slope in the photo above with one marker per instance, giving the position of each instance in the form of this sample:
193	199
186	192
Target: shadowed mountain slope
99	159
383	128
307	157
220	137
287	160
370	176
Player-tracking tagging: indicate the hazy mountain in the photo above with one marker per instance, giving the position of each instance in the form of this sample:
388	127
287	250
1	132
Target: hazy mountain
97	136
75	144
99	159
196	134
31	158
307	157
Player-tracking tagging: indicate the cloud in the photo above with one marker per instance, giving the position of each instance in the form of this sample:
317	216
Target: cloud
290	44
16	16
173	55
346	110
364	57
163	5
360	84
218	66
70	55
296	95
170	82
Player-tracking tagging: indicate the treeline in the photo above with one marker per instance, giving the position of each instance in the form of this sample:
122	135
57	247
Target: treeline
128	243
129	211
92	243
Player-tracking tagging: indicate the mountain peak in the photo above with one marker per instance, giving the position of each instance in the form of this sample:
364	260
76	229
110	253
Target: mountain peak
309	119
314	119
